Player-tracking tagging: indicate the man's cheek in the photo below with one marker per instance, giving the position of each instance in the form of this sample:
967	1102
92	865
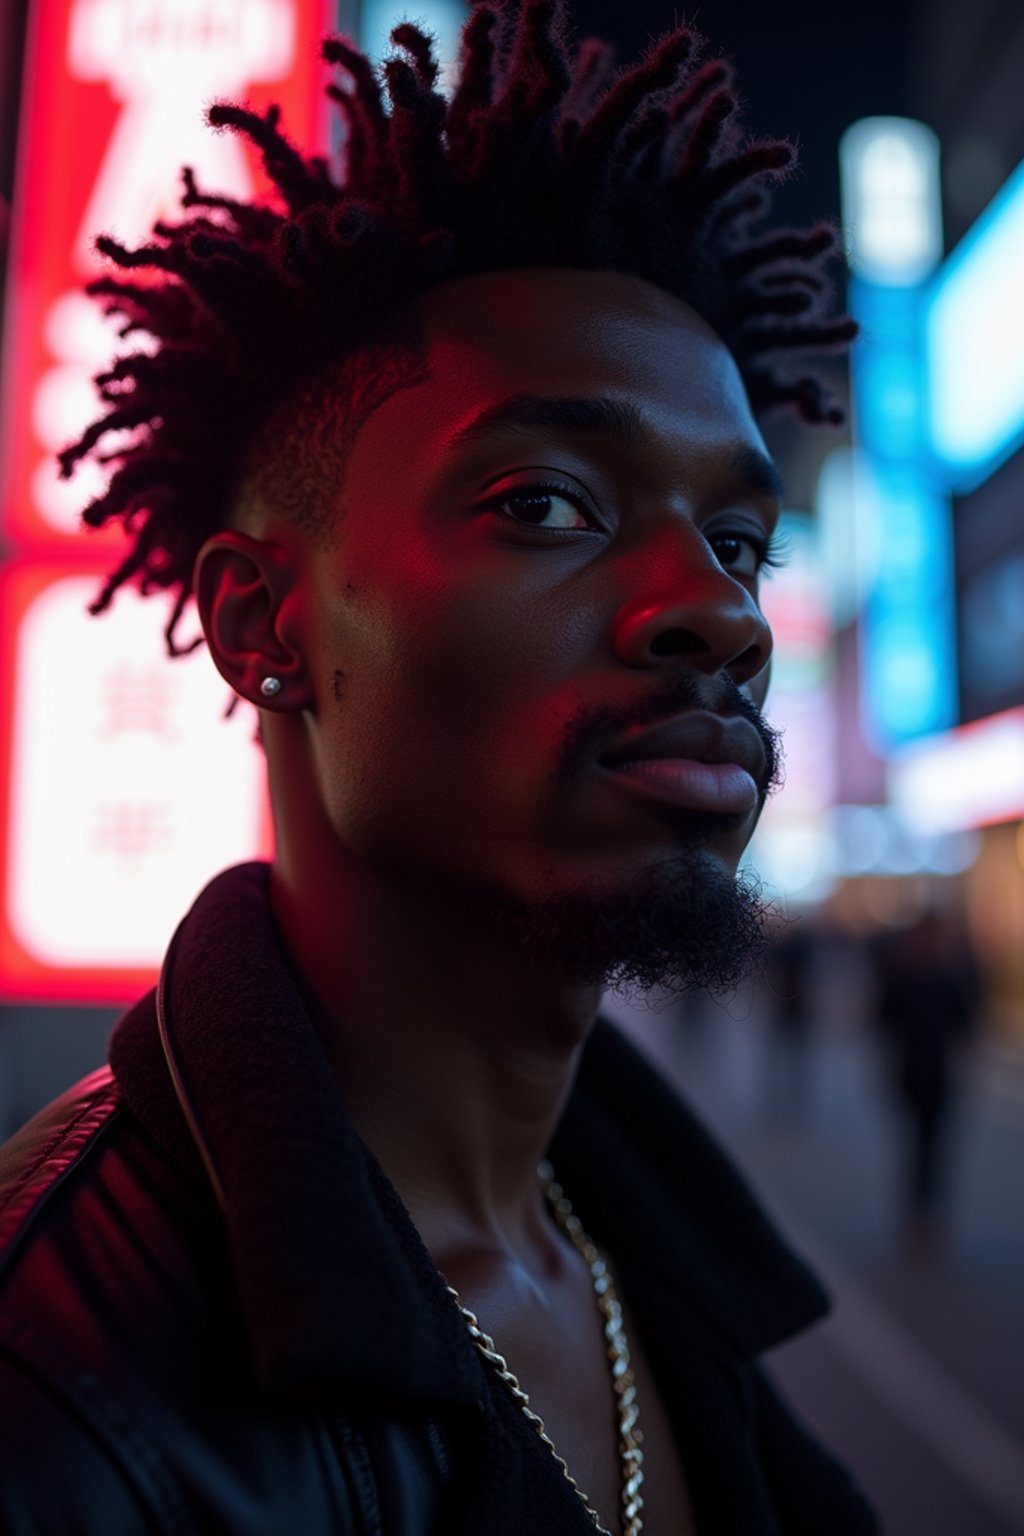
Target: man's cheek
466	670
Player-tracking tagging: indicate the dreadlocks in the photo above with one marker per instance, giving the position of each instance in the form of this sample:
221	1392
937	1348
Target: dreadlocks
543	156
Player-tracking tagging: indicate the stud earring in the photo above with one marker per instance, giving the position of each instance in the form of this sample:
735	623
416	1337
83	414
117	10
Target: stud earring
270	686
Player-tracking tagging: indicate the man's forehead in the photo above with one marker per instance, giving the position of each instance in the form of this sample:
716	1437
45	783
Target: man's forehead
616	420
554	318
575	337
514	295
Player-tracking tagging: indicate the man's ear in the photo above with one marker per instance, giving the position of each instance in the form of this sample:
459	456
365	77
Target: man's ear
247	593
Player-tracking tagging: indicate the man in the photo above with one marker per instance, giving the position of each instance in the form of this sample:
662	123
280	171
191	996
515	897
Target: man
460	461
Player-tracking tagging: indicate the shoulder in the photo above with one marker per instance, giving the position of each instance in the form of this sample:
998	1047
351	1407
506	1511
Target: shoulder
35	1160
127	1371
97	1253
94	1215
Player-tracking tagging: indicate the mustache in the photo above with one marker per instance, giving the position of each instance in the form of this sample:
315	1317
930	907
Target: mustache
593	727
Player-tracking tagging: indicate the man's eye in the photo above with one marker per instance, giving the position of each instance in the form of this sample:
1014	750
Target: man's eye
543	507
740	554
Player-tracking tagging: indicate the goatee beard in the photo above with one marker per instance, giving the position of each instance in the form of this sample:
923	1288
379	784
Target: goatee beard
684	925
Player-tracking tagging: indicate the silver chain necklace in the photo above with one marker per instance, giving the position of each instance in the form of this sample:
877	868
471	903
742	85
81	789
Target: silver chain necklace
631	1456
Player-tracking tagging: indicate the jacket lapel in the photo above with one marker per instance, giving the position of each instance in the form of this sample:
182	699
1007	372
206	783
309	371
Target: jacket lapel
224	1067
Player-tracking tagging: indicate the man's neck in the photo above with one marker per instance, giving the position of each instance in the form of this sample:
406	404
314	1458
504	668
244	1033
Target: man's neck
453	1058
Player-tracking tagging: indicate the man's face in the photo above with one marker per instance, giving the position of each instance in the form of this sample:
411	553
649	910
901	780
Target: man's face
529	634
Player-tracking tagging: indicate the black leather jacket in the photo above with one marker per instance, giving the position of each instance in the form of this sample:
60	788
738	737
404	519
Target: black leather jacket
216	1316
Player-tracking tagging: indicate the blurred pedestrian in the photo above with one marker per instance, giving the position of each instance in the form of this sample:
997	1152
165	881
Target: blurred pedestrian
925	1011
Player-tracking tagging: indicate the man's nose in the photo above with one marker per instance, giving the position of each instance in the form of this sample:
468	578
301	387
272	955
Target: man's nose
686	605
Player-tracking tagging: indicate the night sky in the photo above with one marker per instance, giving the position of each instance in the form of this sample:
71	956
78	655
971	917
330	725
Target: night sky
805	71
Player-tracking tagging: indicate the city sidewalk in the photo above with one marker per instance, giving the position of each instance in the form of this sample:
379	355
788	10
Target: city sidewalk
917	1378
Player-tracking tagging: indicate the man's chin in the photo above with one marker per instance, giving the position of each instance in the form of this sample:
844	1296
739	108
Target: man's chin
686	924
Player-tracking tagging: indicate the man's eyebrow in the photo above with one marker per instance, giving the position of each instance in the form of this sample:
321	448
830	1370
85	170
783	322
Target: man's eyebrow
757	472
608	417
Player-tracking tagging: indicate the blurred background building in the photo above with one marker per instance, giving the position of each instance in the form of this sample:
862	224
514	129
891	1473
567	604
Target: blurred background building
898	841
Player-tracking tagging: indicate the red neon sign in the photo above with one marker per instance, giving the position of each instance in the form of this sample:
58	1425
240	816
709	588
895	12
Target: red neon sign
124	787
111	757
113	94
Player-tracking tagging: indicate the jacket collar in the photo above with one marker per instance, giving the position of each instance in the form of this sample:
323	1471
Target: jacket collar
223	1066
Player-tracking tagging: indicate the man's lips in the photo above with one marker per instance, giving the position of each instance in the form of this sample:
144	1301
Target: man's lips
700	761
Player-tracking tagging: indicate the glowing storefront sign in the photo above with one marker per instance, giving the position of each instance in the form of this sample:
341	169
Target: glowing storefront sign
890	174
113	94
126	787
908	639
975	334
969	777
121	789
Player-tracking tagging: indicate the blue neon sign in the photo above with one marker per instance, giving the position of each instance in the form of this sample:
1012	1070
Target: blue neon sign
908	639
443	19
975	344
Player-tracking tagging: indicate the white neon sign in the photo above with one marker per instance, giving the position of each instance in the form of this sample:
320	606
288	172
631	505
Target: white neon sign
122	788
891	201
128	789
162	59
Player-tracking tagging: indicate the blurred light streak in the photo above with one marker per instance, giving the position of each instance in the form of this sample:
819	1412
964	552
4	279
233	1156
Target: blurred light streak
972	776
877	840
975	340
789	851
846	509
908	638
